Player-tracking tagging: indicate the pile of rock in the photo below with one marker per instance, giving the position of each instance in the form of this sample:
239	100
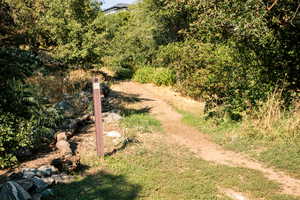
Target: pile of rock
62	137
32	183
111	117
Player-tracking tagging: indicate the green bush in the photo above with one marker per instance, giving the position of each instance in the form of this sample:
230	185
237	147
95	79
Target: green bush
158	76
26	119
14	134
144	74
164	76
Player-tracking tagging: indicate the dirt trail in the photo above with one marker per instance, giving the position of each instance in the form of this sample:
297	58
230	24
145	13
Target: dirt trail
198	143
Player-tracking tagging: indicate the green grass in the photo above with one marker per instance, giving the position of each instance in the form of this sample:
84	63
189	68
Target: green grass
284	156
158	171
142	123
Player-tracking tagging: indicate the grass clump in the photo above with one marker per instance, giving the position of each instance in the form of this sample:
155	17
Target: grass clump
270	134
272	123
158	76
143	123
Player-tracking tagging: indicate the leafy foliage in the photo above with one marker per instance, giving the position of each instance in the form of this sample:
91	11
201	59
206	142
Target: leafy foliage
26	119
230	53
158	76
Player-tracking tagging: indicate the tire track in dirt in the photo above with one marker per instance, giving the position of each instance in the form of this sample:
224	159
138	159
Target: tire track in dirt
199	143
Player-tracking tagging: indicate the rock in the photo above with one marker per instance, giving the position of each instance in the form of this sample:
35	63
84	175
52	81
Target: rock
13	191
115	134
47	193
27	174
26	183
49	180
92	118
29	170
39	184
57	178
61	136
47	170
85	117
110	117
62	178
64	147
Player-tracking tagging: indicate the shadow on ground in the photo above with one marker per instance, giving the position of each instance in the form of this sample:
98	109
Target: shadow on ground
99	186
120	100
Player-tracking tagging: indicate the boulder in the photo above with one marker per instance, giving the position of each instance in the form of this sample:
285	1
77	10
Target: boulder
61	136
49	180
110	117
26	183
13	191
62	178
39	184
47	170
114	134
28	174
64	147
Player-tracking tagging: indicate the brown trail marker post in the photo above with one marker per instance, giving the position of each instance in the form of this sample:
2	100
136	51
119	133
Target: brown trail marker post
98	117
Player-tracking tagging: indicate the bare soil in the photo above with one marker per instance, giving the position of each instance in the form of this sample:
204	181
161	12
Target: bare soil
160	101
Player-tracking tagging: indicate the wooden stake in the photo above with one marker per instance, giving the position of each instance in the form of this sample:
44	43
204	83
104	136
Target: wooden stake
98	117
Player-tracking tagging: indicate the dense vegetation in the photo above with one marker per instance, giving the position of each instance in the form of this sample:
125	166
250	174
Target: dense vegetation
233	54
240	57
37	38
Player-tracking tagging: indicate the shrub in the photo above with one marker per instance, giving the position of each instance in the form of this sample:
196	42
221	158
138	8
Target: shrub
144	74
14	134
158	76
26	117
164	76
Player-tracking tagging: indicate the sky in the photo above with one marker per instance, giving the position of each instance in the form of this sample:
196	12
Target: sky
109	3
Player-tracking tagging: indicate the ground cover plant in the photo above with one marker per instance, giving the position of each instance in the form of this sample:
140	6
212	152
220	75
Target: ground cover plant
154	169
276	145
239	57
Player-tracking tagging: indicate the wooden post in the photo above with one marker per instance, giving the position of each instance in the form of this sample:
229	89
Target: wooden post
98	117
